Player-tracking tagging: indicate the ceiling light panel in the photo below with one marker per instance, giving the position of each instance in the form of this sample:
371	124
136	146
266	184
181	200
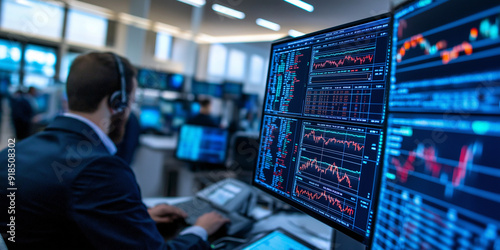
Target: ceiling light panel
267	24
301	4
195	3
228	11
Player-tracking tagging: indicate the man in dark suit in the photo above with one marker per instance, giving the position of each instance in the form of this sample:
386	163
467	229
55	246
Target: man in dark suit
22	113
69	191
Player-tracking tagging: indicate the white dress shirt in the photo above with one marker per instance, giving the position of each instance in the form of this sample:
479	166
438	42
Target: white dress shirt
110	146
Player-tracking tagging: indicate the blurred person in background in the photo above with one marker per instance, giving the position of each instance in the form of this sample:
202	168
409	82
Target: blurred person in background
204	118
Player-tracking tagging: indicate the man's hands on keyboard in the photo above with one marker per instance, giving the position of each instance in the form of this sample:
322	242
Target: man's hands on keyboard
211	222
164	213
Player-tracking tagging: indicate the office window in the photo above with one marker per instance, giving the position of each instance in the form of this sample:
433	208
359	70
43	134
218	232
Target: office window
256	70
163	46
217	57
236	67
40	60
33	17
66	62
86	28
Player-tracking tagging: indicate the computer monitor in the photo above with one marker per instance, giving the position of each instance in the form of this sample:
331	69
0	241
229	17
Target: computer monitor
151	79
200	144
175	82
205	88
322	127
441	175
232	90
42	103
150	118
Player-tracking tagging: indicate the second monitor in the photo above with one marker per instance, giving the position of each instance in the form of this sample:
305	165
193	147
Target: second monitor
322	125
200	144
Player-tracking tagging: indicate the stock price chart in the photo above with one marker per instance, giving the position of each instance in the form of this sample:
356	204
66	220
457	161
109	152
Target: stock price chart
347	79
335	170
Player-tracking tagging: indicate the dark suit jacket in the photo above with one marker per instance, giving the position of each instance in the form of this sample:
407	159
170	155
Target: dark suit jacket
72	194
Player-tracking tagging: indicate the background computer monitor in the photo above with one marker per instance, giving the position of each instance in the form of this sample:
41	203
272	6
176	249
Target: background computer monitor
232	90
42	103
200	144
322	126
150	118
151	79
175	82
205	88
441	172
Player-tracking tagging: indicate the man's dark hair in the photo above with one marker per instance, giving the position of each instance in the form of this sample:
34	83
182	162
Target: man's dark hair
92	77
204	102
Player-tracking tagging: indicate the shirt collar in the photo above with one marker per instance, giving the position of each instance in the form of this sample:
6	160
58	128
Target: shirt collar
110	146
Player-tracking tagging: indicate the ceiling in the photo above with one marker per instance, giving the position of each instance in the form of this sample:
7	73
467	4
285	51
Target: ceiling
327	13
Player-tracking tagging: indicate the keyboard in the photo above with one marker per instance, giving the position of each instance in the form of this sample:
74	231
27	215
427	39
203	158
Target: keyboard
197	207
194	208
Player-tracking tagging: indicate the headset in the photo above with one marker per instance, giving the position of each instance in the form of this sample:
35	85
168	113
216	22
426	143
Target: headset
118	100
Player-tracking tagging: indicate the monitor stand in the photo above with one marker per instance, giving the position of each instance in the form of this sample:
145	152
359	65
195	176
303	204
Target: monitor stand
340	241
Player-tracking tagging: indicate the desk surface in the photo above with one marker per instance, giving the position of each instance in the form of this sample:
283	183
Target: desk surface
300	225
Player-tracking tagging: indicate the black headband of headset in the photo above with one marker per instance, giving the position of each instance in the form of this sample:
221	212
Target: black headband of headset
122	78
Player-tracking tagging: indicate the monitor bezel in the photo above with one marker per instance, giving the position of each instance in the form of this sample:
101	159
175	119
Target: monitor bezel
208	165
336	226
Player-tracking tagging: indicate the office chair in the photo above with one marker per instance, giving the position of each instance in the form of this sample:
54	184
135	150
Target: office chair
244	149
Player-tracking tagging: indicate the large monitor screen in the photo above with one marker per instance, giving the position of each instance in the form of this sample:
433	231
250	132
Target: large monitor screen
232	90
205	88
40	60
175	82
202	144
440	182
10	55
322	126
150	118
151	79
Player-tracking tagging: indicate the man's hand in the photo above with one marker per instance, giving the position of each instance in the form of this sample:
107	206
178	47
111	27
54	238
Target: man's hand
211	222
164	213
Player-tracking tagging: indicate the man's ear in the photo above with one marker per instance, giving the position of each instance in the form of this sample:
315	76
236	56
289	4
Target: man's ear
108	106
